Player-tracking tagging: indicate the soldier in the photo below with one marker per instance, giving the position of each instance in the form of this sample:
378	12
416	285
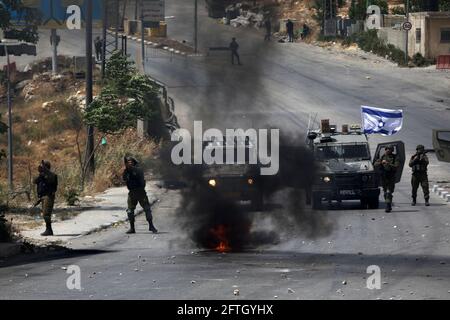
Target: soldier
98	43
134	178
268	26
419	163
47	184
234	46
388	164
290	30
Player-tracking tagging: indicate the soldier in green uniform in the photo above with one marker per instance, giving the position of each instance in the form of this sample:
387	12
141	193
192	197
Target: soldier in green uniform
134	178
388	165
419	163
47	185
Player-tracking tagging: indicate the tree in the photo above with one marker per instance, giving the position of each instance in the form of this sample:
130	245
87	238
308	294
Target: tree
27	30
357	10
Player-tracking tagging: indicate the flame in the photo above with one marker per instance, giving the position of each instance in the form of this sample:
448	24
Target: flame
220	235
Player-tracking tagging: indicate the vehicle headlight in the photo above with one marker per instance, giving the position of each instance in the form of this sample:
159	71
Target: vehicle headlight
326	179
250	181
212	182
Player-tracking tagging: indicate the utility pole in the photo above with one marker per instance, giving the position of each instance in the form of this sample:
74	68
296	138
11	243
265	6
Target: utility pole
142	36
54	41
196	27
89	156
17	48
407	33
10	133
104	35
117	5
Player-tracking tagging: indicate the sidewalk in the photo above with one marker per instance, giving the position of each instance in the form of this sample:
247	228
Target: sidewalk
110	210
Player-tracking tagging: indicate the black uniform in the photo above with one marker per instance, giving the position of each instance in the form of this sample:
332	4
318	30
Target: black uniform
234	46
290	30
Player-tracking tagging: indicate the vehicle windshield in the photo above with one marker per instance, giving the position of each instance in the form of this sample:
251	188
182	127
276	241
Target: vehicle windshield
343	151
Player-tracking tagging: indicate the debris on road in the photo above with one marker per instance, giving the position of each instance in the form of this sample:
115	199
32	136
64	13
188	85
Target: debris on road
290	290
236	292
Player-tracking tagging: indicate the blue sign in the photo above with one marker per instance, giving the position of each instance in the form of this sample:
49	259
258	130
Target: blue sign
54	13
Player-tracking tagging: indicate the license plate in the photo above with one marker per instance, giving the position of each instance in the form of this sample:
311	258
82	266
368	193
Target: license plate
347	192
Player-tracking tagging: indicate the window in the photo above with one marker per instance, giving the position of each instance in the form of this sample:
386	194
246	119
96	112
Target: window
418	35
445	35
342	151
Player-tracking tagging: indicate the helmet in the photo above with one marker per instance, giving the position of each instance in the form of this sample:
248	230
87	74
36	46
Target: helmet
130	158
420	147
389	147
46	164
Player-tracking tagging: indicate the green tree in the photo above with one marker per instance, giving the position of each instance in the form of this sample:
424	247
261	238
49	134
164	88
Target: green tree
27	30
126	97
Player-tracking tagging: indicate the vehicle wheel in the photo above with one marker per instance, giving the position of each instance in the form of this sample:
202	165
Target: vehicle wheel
308	197
374	203
257	204
364	203
316	201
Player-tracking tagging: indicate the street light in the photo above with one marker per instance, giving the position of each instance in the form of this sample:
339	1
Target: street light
15	48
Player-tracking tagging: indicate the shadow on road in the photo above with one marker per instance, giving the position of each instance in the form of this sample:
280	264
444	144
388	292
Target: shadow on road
58	254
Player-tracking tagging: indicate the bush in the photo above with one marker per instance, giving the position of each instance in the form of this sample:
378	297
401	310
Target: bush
369	41
71	196
419	61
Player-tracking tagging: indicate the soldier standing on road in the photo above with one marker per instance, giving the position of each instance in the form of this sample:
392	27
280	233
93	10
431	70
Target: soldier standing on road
98	48
47	184
268	26
419	163
234	46
388	165
134	178
290	30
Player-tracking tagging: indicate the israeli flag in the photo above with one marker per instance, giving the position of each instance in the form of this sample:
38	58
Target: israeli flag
384	121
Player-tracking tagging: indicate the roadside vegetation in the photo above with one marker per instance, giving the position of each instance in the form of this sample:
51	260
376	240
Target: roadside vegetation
50	122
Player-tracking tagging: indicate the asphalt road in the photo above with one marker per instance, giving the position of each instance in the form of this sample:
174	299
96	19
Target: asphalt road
278	86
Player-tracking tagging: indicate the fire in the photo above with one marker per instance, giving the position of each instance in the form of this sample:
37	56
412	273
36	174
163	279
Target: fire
220	235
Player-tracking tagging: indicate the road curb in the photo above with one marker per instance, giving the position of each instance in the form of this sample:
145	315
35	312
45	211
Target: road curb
9	249
441	192
110	224
154	44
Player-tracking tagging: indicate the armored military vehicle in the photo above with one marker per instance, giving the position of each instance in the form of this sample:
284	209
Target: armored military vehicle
235	182
346	170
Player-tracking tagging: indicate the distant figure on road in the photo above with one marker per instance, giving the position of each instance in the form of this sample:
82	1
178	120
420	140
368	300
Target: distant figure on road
290	30
234	46
134	178
268	26
388	165
98	43
419	165
305	31
47	185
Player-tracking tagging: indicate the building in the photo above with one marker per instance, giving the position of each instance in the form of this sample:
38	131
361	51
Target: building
430	34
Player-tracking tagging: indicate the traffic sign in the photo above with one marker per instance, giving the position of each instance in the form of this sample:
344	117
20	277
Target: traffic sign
153	10
407	25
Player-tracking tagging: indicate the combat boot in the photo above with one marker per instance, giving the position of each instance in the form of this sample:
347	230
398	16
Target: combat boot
130	214
149	217
413	202
151	227
388	207
427	202
48	229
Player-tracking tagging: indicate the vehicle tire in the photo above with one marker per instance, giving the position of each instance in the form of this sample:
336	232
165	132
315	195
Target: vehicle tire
308	197
364	203
316	201
257	203
374	203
